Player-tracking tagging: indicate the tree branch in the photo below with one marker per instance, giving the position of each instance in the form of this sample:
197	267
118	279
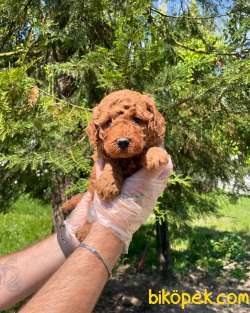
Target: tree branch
190	17
10	53
236	54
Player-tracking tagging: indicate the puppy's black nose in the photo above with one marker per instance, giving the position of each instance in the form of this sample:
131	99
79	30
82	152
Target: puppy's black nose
123	143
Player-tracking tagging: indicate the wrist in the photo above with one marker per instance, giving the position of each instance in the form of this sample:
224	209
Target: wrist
121	223
105	241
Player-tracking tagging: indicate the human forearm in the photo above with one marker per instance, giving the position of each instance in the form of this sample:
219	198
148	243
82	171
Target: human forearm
23	273
77	285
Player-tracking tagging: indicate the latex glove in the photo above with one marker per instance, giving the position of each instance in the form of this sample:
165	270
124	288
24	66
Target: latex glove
79	216
77	220
126	213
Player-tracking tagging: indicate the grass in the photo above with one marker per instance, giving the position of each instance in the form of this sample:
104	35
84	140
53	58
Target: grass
28	221
232	216
217	242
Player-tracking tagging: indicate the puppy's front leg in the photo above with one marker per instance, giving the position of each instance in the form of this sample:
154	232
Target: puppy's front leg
109	184
155	157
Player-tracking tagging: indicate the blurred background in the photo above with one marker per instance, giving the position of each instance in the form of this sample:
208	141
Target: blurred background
59	58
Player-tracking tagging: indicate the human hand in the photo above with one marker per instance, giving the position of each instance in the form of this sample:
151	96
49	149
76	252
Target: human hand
79	216
127	212
75	222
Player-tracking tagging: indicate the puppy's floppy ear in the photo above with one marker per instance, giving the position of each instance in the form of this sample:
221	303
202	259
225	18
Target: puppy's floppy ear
93	133
156	125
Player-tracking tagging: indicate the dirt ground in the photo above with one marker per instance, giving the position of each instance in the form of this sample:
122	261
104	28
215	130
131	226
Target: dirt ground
127	292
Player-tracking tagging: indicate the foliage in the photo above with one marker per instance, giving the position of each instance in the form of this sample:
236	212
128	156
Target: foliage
38	138
216	253
58	58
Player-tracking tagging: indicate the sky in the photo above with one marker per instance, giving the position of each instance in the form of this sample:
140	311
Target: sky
175	7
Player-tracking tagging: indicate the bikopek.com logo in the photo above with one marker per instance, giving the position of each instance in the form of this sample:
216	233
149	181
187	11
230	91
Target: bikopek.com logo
184	298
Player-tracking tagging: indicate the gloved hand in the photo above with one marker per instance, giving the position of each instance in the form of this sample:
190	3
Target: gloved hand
79	216
126	213
76	221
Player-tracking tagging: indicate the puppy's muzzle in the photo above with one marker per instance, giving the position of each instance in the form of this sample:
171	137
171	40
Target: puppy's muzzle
123	143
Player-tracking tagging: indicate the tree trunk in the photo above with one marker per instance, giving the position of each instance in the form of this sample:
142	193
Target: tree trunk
163	245
59	184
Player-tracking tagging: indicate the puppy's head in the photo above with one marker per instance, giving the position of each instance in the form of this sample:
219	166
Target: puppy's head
125	123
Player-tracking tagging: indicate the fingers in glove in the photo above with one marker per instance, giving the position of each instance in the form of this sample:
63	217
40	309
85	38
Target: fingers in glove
85	200
99	165
80	214
167	171
144	178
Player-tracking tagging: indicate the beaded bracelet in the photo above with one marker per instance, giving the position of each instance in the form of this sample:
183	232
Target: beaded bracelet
100	257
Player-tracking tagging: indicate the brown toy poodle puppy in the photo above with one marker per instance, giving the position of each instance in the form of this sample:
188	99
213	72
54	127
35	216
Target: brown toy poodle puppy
127	132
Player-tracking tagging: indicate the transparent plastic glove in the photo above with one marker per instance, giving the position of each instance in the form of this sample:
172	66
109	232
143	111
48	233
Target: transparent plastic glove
126	213
76	220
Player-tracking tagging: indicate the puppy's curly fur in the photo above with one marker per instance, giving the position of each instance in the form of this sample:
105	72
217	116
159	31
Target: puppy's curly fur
127	132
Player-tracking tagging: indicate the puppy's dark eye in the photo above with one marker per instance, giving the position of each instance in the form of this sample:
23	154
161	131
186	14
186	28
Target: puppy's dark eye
107	123
137	120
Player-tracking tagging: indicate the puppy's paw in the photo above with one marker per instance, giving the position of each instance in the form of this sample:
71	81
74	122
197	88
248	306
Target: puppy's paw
107	189
81	234
70	204
155	158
